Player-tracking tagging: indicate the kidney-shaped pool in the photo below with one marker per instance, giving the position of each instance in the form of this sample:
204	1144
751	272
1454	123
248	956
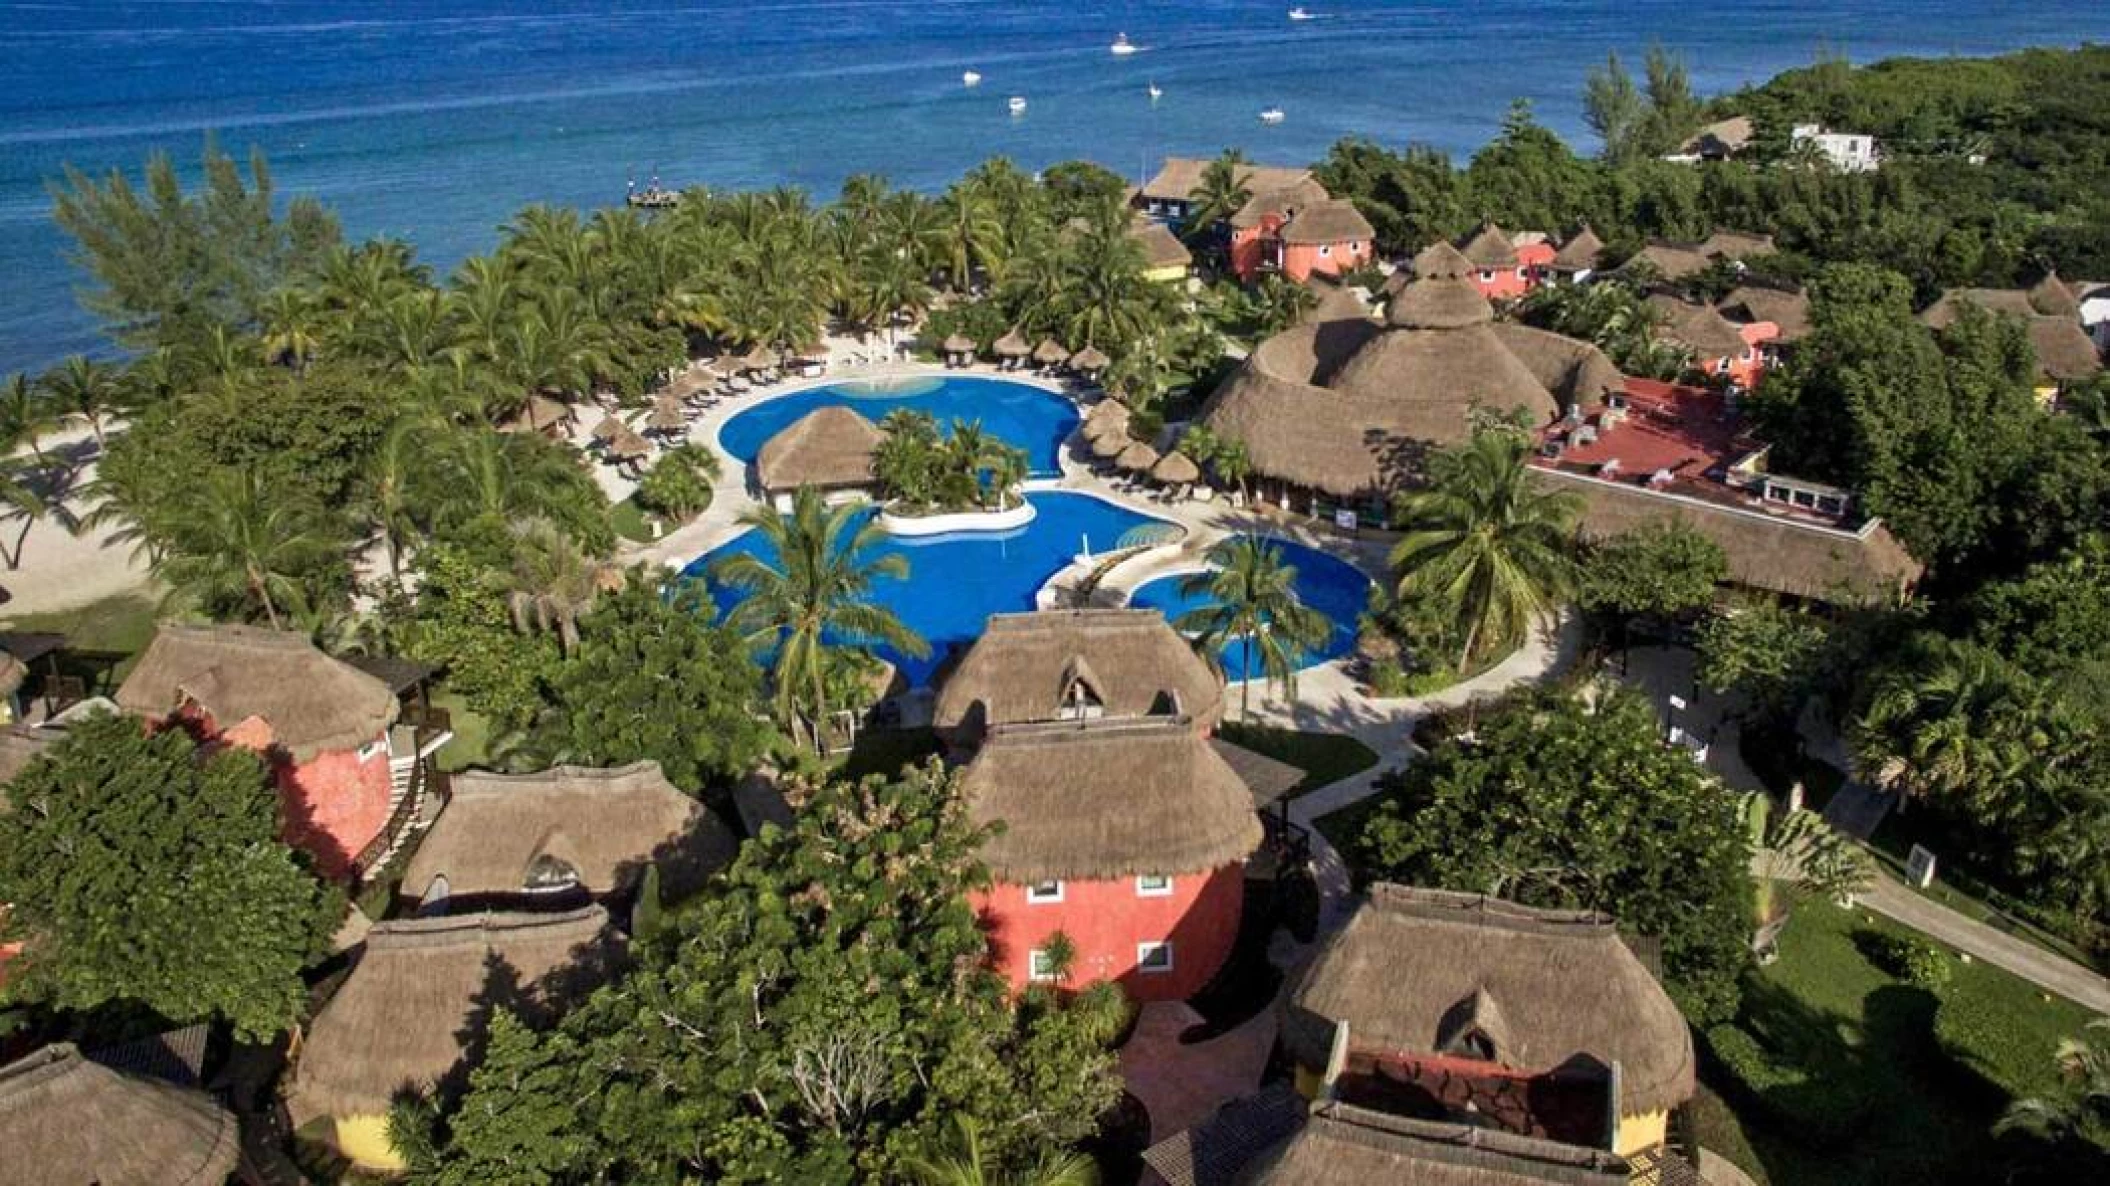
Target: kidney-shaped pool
1020	414
1325	583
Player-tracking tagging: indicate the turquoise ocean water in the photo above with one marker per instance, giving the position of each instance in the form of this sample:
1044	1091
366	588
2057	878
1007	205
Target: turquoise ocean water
432	120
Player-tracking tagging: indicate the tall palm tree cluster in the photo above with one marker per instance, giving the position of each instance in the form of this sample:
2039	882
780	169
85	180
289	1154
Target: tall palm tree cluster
920	467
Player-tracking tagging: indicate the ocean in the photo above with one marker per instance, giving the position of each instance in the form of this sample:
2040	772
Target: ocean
433	120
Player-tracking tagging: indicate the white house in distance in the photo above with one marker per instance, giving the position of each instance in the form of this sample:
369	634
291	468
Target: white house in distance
1848	152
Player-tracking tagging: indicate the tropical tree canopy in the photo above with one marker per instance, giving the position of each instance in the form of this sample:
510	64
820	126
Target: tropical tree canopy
1252	604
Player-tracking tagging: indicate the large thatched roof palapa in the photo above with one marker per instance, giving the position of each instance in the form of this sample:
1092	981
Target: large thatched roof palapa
1177	180
1413	964
1787	309
312	702
829	447
1090	800
607	825
1343	1145
1490	248
422	992
66	1119
2064	350
1335	220
1026	667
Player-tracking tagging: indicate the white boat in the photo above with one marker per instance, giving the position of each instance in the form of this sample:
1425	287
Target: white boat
970	79
1122	45
1155	93
1272	115
1298	14
1017	105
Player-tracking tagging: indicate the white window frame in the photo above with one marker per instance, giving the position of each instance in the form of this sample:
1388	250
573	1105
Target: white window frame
1033	968
1487	276
373	749
1520	272
1144	952
1325	250
1159	891
1034	896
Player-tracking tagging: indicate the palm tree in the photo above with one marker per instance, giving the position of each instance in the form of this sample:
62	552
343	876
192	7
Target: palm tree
1219	194
394	470
1485	541
1254	603
85	388
2082	1111
818	593
1943	721
21	499
967	1163
230	541
1797	856
291	327
973	233
25	415
552	582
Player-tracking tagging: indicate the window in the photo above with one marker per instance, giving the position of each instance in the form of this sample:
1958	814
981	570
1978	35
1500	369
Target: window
1039	965
1150	886
1520	273
1042	893
1487	277
372	750
1153	957
1325	249
546	873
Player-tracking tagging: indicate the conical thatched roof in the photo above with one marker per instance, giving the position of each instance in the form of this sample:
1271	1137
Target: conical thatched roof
1412	962
538	414
609	428
607	825
1099	430
958	344
1343	1145
1579	253
422	992
627	445
1176	469
1698	327
667	415
1023	666
1090	359
312	702
1012	345
1490	248
761	358
829	447
1110	443
1108	411
1107	798
1137	457
65	1119
1438	304
1441	261
1050	353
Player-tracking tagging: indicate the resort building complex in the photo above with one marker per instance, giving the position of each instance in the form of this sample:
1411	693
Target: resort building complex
1169	195
2050	311
65	1117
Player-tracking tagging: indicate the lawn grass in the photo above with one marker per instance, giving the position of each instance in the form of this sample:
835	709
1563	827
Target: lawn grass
104	637
1325	758
628	519
471	743
1857	1034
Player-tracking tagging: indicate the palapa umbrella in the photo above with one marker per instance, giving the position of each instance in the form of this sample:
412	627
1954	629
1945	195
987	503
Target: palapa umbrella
959	344
609	428
1107	411
1090	360
628	446
761	358
1176	469
1097	430
1012	345
667	416
1137	458
1050	353
1110	445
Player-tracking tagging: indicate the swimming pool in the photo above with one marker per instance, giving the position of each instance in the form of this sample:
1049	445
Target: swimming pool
956	581
1330	585
1028	417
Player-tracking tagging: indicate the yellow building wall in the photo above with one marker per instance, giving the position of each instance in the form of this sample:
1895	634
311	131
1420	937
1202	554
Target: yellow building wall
1170	274
364	1139
1644	1131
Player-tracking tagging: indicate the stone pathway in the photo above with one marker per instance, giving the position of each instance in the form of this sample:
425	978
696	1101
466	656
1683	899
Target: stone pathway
1181	1085
1894	900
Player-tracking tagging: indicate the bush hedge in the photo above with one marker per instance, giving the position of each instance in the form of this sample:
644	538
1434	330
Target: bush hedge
1915	961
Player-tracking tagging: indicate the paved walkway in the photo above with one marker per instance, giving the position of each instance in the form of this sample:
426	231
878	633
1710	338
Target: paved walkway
1897	901
1182	1085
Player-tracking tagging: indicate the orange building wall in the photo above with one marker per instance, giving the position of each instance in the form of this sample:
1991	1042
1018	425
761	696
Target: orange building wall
1105	920
1301	260
331	806
1249	247
1502	284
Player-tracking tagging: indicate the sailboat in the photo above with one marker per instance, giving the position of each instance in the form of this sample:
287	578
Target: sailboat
1155	93
1272	115
1298	14
970	79
1017	105
1122	46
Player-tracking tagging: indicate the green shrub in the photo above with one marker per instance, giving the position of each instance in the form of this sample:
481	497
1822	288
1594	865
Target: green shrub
1388	680
1914	961
1824	1108
678	485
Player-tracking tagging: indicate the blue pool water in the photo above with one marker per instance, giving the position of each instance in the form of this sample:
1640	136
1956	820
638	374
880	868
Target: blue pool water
1028	417
956	581
1332	586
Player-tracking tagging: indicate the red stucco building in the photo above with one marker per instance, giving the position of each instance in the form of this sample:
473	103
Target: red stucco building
326	729
1121	823
1300	231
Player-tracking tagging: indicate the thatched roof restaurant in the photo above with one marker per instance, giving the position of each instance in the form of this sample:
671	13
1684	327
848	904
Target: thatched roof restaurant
66	1119
1428	983
312	702
503	834
1040	666
422	991
1349	406
1091	800
828	448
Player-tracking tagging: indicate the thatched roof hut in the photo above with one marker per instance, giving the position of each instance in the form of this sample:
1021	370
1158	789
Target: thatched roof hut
1736	245
828	448
609	428
667	416
2065	352
539	414
1161	248
312	702
958	344
1442	261
1050	353
1670	261
1696	327
1787	309
1137	458
1029	667
64	1118
1111	442
1012	345
1489	248
1179	177
422	991
760	358
1343	1145
1785	555
1090	800
1176	469
1283	201
501	833
1350	407
1421	972
1108	411
1090	360
627	445
1579	253
1335	220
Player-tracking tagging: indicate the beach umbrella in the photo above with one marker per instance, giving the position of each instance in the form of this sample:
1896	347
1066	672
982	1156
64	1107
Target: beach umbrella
1108	446
761	358
609	428
959	344
1137	458
1012	345
1050	353
1090	360
1107	411
1176	469
667	416
628	446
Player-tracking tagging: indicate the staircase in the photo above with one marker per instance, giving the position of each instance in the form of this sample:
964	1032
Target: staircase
411	781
